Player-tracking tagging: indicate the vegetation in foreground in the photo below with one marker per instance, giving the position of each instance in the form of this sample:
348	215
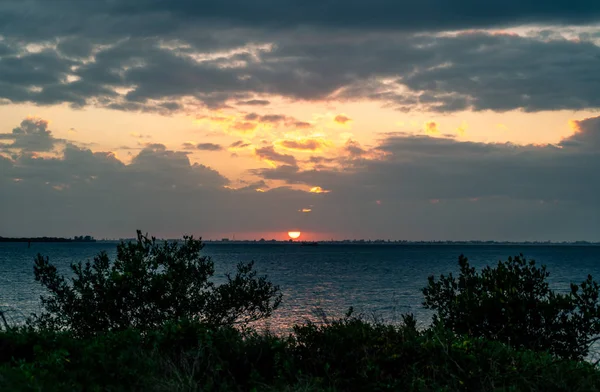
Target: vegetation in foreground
152	320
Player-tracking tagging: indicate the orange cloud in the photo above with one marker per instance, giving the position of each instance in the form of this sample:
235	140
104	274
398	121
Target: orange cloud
431	127
304	144
301	124
318	189
575	126
305	210
244	126
342	119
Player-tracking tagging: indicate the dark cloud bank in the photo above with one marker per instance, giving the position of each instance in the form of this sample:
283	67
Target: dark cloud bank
159	56
422	188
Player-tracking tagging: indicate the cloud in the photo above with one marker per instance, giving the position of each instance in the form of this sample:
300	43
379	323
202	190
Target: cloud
303	145
276	119
354	149
425	168
586	136
269	154
301	124
184	66
254	102
244	127
318	189
341	119
145	18
239	144
32	135
521	192
203	146
431	127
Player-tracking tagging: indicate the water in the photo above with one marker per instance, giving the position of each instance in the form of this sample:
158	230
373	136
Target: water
377	280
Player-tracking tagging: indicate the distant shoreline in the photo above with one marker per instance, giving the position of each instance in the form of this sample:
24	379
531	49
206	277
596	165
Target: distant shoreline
45	239
408	243
287	242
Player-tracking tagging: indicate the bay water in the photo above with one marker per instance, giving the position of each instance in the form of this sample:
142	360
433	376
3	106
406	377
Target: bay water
378	280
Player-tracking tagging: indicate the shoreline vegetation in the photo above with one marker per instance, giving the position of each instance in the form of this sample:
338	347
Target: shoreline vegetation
86	238
322	242
152	320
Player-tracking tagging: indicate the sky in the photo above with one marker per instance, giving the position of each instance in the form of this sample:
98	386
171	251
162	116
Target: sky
379	119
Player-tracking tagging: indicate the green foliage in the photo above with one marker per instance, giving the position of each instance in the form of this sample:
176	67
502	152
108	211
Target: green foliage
355	355
513	303
154	344
345	355
147	285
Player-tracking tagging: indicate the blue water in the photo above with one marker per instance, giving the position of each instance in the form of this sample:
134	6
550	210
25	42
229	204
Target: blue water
377	280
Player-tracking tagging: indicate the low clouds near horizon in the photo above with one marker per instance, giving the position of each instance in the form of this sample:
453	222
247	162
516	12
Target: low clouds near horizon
421	187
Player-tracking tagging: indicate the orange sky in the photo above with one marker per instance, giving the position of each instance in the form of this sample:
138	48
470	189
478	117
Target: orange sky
105	130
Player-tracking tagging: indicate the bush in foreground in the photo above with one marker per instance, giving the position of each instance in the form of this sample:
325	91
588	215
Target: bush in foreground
346	355
194	346
147	285
513	303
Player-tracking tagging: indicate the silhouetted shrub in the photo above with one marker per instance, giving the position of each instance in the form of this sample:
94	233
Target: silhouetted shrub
356	355
148	284
349	354
346	355
513	303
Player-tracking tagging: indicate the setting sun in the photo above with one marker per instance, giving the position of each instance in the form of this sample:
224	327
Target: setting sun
294	234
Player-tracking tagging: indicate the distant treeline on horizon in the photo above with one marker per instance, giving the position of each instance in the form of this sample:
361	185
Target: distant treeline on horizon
86	238
397	242
325	242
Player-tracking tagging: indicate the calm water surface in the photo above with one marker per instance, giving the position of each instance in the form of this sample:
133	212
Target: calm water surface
381	280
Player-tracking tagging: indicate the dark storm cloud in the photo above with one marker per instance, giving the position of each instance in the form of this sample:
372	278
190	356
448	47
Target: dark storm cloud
75	47
476	71
409	15
150	17
142	55
505	72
